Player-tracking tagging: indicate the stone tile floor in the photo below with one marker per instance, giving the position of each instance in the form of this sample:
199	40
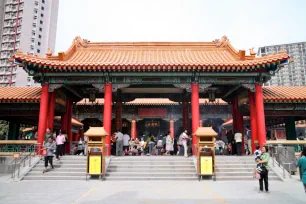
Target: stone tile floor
153	192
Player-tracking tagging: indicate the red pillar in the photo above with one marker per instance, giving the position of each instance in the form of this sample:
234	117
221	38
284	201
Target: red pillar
43	112
119	115
261	125
51	110
172	128
133	129
253	120
234	114
237	120
107	117
195	113
185	115
240	127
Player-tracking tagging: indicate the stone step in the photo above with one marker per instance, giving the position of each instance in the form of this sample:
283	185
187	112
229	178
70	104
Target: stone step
152	162
191	170
230	162
150	158
239	173
243	178
63	165
235	166
234	169
123	178
62	169
73	158
151	174
149	166
50	172
51	177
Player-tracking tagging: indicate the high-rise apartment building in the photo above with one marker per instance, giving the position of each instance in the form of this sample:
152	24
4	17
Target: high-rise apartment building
293	74
29	26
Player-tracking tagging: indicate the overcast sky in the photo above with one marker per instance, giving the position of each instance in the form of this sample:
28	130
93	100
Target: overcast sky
247	23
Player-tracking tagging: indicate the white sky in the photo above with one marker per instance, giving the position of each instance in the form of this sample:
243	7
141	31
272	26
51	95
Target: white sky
247	23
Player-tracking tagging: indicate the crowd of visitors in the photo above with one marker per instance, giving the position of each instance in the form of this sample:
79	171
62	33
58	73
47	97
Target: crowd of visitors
123	144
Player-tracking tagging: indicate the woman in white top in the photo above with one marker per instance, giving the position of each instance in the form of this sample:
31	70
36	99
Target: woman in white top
169	143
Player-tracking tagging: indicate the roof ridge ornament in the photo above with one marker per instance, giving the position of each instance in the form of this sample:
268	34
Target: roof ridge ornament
79	42
222	42
49	52
252	51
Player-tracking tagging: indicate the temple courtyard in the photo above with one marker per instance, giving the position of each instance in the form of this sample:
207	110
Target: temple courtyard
155	192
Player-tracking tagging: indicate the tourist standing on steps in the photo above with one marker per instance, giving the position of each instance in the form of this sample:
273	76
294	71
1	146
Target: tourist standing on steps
119	143
264	177
169	143
60	140
49	147
302	164
185	138
238	139
126	139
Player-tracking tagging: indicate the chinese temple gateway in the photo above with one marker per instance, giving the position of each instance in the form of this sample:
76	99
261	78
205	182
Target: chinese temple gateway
181	72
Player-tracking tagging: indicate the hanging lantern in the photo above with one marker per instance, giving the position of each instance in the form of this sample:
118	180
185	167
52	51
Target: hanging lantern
211	96
92	97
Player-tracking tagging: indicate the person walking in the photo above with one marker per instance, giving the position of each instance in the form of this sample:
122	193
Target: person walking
151	143
126	139
47	135
180	143
119	143
49	147
238	139
302	164
60	140
264	175
169	143
185	138
85	145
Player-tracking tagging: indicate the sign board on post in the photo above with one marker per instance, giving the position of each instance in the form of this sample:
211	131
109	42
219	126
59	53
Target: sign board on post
206	165
95	164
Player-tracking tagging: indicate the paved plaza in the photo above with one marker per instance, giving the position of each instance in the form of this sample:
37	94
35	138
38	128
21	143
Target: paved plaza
155	192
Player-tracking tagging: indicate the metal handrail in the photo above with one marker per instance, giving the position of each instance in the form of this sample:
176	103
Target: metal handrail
280	163
24	159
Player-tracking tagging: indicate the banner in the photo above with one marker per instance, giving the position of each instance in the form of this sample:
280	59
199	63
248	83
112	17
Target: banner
152	112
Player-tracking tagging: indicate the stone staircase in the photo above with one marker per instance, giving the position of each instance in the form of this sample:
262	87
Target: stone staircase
68	168
151	168
238	168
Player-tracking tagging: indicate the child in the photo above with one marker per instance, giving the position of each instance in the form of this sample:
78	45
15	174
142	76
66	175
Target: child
257	153
260	168
230	149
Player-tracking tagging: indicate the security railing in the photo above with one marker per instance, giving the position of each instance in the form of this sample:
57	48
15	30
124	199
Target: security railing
24	159
283	154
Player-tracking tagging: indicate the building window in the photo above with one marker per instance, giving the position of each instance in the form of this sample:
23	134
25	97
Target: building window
42	15
42	8
35	11
38	50
41	22
40	29
43	1
38	43
39	36
32	40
